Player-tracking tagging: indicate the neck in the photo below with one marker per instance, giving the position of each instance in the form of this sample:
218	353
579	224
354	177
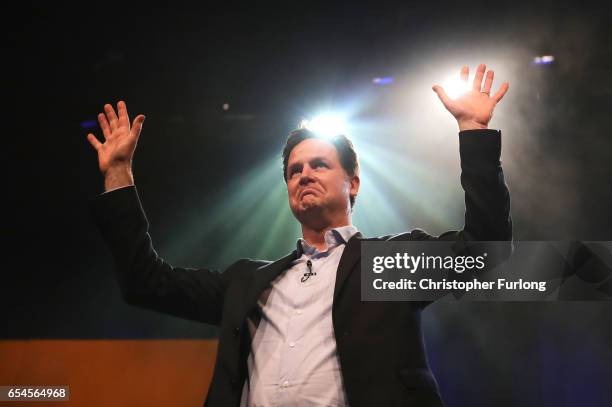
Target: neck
315	236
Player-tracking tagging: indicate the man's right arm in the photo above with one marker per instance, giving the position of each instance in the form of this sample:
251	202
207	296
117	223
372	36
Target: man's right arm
144	277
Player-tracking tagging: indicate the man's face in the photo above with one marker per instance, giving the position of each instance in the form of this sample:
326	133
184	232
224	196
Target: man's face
317	184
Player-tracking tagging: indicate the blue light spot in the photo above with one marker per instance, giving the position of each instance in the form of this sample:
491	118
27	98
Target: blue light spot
382	81
89	124
544	60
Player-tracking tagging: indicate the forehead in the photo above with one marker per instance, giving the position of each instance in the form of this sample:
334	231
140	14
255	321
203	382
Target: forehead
313	148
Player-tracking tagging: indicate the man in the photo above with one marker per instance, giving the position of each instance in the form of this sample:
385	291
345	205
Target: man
295	332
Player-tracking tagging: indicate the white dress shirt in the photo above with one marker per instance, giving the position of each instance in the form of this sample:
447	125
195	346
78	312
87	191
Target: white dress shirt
293	359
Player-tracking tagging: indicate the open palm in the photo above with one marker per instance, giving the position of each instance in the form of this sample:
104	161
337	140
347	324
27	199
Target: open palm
473	109
120	138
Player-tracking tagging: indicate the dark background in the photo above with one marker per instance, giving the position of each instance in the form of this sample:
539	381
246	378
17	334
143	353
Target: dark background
272	64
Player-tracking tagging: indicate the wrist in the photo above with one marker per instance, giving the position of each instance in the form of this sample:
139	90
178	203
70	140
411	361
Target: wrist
471	125
118	177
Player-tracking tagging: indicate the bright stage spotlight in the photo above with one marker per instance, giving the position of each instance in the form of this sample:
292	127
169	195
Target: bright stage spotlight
326	125
455	87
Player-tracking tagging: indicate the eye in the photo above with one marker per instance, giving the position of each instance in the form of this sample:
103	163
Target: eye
319	164
294	170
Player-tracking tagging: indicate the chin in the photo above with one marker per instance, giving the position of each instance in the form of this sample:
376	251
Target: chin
306	209
309	206
309	201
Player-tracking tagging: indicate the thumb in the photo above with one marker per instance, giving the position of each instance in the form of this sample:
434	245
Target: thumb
446	101
137	125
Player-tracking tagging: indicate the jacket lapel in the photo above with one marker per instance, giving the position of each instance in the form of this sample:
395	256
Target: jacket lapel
262	277
350	256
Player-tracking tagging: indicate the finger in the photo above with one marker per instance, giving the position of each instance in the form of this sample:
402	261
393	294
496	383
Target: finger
137	125
94	141
111	116
104	126
478	77
488	82
446	101
124	119
465	73
501	92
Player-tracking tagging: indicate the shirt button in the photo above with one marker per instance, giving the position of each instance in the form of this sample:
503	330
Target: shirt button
285	384
299	312
292	344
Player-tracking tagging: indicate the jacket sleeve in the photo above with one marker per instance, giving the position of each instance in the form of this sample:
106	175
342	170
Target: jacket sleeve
144	277
487	199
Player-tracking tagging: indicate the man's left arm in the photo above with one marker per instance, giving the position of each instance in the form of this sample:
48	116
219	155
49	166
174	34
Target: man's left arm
487	200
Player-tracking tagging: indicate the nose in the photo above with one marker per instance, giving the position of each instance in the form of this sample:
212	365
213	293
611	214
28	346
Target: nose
306	175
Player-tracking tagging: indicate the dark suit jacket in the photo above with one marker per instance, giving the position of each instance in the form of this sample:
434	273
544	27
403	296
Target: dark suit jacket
380	345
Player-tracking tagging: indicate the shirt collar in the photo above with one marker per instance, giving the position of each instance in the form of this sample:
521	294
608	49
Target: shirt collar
333	237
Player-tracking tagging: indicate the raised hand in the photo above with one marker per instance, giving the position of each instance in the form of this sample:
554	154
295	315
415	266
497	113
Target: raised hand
116	153
473	109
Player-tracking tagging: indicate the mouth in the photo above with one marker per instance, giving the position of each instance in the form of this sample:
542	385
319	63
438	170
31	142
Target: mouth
308	191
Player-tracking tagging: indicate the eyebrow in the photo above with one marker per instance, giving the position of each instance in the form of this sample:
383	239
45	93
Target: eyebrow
312	160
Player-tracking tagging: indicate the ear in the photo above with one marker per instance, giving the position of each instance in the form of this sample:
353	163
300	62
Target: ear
355	182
